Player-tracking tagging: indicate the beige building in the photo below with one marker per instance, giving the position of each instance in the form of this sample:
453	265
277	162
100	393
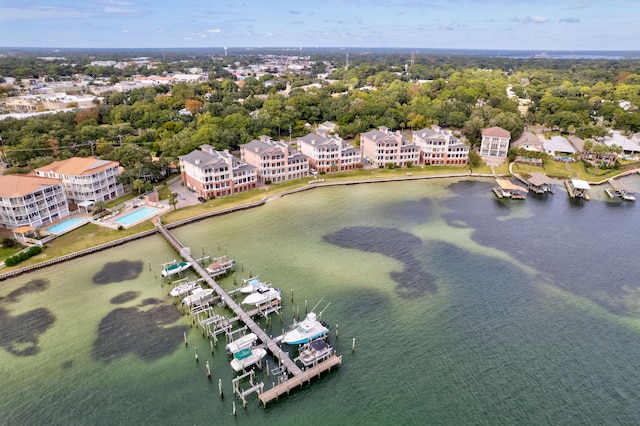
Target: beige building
495	144
383	146
86	179
329	153
214	174
31	201
275	161
438	147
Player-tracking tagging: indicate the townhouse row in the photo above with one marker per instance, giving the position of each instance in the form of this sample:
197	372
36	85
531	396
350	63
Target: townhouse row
213	174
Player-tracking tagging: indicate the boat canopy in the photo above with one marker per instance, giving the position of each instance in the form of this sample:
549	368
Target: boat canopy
507	185
580	184
243	353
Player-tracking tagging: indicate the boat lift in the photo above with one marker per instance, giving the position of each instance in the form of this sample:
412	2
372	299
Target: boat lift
254	388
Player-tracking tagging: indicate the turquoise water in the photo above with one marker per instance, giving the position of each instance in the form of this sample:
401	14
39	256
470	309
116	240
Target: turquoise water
64	225
465	310
136	215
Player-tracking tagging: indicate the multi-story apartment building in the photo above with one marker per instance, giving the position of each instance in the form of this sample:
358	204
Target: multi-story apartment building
28	200
329	153
214	174
86	179
439	147
383	147
495	144
275	161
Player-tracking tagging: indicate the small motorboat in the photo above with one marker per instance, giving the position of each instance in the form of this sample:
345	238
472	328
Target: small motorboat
250	285
185	288
241	343
175	268
197	297
246	358
221	266
262	295
314	352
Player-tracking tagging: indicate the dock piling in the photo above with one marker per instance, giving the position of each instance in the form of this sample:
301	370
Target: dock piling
336	331
185	339
220	389
353	345
195	352
208	371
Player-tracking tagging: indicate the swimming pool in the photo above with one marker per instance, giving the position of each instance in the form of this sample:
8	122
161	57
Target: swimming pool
59	228
136	216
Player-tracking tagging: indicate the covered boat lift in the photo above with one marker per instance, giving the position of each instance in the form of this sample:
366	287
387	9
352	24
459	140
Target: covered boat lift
508	189
541	183
578	188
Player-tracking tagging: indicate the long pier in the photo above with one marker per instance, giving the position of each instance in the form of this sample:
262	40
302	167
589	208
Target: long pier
270	344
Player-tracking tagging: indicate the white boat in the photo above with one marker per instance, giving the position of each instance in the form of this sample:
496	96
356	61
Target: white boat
221	266
241	343
197	297
184	288
306	330
246	358
263	294
250	285
314	352
175	268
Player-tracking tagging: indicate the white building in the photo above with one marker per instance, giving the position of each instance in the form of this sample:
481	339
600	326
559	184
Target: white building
31	201
494	146
86	179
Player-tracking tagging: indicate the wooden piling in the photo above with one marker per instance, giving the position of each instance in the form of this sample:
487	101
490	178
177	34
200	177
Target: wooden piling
195	352
353	345
336	331
220	389
208	371
185	339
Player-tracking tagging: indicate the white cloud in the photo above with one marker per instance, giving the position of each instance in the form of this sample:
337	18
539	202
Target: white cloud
214	30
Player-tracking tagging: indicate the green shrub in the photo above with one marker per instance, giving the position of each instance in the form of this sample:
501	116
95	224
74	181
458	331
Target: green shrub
23	255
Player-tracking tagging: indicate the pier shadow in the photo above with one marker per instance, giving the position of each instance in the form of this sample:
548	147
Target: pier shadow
114	272
413	281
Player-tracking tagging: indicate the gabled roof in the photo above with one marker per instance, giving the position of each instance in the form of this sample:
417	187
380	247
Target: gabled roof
496	132
16	185
528	138
77	166
558	144
627	144
262	148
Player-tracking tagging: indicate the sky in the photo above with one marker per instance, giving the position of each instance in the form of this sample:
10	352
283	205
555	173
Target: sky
541	25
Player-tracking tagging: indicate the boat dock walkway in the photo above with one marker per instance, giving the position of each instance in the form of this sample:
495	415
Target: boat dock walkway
299	380
270	344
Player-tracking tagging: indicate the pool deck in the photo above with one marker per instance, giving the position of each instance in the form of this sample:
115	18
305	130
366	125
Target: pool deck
109	221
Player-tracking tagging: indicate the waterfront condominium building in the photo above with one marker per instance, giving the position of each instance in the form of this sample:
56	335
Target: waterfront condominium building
275	161
214	174
383	147
495	144
31	201
439	147
86	179
329	153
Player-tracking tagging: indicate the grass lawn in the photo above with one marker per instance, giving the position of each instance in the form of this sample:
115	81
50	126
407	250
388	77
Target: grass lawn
8	252
562	170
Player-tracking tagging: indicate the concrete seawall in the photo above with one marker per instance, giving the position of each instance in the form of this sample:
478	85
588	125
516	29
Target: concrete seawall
247	206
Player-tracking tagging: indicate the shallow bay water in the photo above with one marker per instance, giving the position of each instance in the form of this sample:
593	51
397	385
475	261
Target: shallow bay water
465	310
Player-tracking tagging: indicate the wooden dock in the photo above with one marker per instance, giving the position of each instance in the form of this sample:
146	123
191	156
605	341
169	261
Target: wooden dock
270	344
298	380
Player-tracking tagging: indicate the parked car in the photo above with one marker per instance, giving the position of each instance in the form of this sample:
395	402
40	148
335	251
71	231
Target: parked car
202	199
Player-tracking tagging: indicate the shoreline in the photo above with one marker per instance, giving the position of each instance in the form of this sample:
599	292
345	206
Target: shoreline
263	201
